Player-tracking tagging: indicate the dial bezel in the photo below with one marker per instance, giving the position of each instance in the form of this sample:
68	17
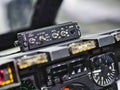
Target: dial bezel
111	55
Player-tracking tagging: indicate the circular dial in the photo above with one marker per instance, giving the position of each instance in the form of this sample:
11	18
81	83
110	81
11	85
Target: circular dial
103	69
26	85
76	86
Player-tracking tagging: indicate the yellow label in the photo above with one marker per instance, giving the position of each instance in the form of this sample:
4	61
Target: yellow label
38	59
83	46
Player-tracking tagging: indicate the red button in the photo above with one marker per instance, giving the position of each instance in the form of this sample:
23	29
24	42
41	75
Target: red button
66	89
2	76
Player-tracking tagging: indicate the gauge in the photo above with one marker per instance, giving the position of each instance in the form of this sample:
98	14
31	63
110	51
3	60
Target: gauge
26	85
103	69
76	86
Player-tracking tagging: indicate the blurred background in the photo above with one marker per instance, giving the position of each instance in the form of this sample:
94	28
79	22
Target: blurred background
93	16
15	14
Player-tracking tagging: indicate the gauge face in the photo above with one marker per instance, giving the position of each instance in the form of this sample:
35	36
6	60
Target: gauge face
76	86
103	69
26	85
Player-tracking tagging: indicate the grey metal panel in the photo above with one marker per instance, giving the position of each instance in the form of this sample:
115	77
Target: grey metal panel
103	40
57	52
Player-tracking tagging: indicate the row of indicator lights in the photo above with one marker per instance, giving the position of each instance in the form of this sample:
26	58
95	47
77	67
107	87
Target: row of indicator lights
84	46
28	65
2	79
39	59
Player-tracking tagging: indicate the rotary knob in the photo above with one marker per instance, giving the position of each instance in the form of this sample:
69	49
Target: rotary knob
63	33
55	35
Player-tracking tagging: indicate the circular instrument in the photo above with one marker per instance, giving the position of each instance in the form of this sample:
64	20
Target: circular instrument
103	69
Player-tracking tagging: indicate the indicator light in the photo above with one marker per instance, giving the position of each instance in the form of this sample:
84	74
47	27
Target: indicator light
2	76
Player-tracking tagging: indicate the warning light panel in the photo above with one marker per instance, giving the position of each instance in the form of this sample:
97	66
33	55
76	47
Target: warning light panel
33	60
81	47
8	75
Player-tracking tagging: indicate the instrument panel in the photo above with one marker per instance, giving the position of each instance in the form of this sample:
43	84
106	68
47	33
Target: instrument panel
86	63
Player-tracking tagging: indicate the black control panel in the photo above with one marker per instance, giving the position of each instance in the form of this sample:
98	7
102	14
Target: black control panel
47	36
65	71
